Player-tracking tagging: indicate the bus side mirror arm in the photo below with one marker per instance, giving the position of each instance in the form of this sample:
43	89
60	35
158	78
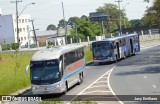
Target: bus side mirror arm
90	47
27	69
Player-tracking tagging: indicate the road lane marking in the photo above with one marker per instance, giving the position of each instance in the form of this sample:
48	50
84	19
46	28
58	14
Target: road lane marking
145	77
110	85
93	92
101	82
154	86
90	85
104	77
96	86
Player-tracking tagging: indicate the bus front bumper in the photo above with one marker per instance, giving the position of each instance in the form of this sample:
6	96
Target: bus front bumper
103	60
48	89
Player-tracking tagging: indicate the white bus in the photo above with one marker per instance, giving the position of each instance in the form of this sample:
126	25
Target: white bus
56	69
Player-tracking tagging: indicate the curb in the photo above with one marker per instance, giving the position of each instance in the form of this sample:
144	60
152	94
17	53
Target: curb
89	63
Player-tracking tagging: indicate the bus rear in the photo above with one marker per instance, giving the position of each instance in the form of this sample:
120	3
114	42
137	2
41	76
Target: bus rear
101	51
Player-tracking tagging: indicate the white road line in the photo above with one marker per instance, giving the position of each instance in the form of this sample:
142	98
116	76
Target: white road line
89	85
109	71
110	86
93	92
145	77
101	82
104	77
154	86
97	86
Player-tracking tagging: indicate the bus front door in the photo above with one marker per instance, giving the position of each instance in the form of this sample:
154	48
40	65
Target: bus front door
118	52
131	45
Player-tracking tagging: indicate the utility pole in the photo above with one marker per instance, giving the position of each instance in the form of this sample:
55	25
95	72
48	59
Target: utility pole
120	24
65	25
34	32
17	1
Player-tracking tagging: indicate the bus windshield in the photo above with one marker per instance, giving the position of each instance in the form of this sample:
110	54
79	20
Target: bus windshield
101	49
44	72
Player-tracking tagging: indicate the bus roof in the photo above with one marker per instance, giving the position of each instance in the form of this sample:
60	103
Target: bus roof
119	37
54	52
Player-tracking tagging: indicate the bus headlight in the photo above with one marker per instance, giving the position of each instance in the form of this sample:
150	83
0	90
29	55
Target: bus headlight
33	88
58	85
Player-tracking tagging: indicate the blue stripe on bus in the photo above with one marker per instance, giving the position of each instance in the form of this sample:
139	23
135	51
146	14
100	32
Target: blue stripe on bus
80	68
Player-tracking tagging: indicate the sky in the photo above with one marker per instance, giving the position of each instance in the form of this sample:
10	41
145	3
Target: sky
46	12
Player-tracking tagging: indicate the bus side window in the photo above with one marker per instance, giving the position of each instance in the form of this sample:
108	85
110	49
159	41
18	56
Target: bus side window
66	60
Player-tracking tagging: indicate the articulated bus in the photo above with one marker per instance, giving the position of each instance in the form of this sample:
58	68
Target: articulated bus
116	48
56	69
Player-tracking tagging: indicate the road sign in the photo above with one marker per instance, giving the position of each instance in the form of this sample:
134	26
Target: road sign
98	16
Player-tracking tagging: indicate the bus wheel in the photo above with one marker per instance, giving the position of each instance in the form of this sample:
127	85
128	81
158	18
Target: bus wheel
134	53
80	78
124	55
66	88
115	59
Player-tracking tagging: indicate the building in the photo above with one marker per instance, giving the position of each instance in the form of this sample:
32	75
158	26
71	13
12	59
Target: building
52	36
8	29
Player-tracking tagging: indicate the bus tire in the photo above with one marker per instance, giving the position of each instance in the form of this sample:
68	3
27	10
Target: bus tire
124	55
134	53
115	59
80	78
66	87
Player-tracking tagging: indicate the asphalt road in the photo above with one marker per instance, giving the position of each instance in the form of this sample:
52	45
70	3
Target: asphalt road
134	75
138	75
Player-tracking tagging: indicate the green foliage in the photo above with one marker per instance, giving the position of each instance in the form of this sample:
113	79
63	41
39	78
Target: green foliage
42	44
88	54
136	23
84	28
6	47
61	23
113	20
14	46
152	16
51	27
12	71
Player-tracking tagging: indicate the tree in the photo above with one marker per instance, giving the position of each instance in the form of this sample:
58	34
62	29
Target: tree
61	23
152	16
84	27
136	23
51	27
84	17
113	19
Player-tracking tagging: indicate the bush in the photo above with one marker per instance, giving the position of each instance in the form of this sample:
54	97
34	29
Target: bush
14	46
5	47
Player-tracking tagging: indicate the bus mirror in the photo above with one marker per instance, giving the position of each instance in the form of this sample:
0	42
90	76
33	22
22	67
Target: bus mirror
27	68
90	47
60	66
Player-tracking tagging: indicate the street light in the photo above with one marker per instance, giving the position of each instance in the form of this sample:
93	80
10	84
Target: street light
26	7
17	16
